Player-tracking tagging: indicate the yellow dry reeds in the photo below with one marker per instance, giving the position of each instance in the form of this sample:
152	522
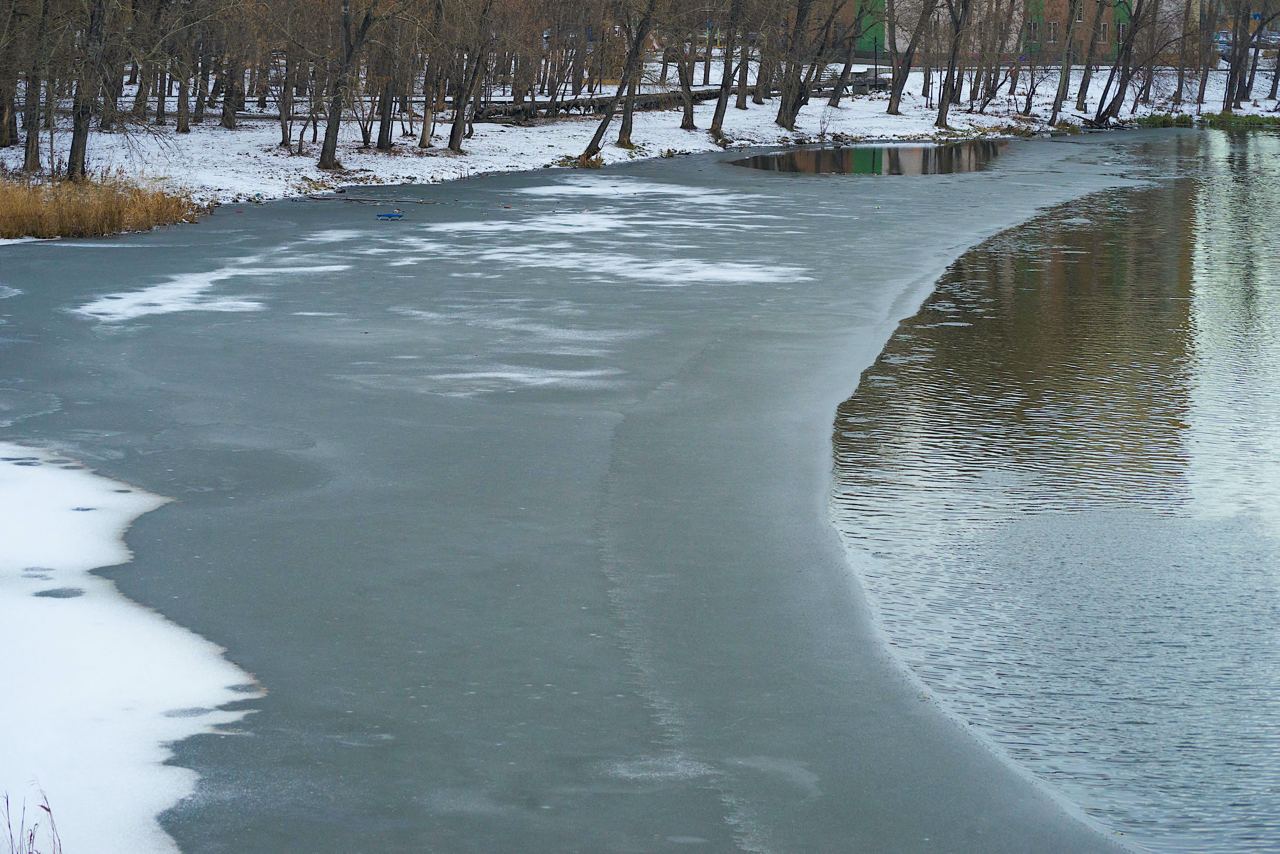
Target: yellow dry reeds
107	205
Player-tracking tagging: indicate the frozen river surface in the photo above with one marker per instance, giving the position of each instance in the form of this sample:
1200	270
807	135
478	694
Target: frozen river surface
513	515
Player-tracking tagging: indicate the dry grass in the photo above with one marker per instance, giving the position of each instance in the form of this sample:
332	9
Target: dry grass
105	205
24	832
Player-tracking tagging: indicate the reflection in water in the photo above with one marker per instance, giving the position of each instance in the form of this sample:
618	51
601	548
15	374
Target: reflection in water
881	160
1061	485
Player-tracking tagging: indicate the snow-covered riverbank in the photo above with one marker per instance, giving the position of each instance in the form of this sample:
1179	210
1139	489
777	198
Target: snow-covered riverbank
98	686
220	165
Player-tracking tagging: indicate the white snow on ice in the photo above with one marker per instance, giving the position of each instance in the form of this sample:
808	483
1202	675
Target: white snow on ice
618	187
577	222
96	686
189	292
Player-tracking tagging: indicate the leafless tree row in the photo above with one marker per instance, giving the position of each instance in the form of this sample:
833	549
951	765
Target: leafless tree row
398	67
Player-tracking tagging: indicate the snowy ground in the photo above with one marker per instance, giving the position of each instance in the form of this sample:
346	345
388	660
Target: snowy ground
219	165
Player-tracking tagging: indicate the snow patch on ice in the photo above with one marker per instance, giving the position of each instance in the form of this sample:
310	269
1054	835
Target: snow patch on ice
93	680
584	222
637	188
189	292
6	292
673	272
334	235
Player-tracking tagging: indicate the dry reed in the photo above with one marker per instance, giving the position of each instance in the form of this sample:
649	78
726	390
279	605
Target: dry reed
26	837
106	205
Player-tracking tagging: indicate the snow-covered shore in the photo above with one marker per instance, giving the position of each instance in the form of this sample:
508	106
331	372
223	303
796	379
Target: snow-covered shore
98	686
247	164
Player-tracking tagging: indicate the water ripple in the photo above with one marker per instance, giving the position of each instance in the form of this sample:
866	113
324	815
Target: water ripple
1061	487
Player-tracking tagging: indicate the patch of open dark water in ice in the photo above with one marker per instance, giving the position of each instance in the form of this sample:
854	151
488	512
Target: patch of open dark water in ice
1060	483
881	159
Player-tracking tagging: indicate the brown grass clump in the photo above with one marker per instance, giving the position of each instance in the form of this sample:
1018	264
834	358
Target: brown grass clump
106	205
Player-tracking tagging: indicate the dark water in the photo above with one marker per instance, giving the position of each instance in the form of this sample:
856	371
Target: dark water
881	160
1061	484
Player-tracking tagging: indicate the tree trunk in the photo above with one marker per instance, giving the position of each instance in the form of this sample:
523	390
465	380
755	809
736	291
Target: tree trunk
162	89
333	123
706	61
184	103
790	95
628	111
1095	33
726	72
31	102
429	84
1239	50
764	81
959	20
744	64
630	70
684	67
87	84
1121	69
842	82
8	114
231	86
903	68
352	42
202	85
1064	67
31	118
284	103
1253	71
385	119
1182	54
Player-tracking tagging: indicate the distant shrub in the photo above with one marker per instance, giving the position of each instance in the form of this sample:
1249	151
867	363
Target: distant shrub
1012	129
107	205
1234	121
1165	120
571	161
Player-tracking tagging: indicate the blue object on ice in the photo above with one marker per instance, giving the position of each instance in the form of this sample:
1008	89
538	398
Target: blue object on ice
391	215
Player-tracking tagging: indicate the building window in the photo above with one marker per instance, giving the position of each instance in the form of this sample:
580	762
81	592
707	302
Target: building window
1080	13
1033	31
1102	32
1121	28
1053	32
